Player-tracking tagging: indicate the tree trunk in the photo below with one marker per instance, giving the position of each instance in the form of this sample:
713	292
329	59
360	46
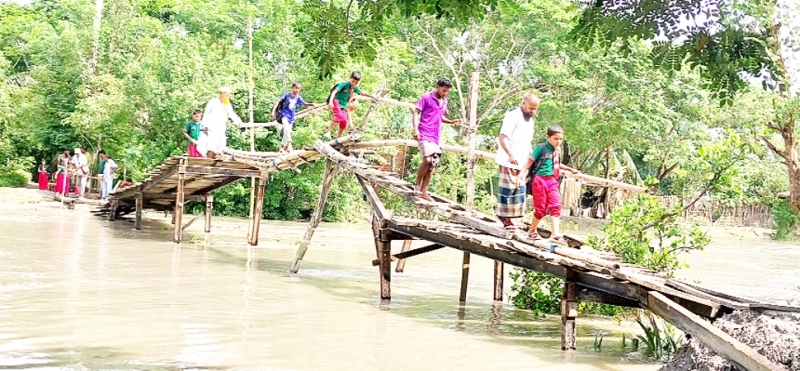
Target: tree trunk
98	16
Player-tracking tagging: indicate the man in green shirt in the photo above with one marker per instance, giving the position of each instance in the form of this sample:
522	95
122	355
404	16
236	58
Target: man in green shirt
339	102
192	132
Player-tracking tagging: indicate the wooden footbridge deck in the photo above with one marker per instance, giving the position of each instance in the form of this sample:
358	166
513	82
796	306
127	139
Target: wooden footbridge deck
589	275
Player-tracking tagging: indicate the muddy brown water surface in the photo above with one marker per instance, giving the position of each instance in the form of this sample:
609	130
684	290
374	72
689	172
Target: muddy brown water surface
79	293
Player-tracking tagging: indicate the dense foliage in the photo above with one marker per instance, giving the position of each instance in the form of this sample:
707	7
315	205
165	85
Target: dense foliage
127	78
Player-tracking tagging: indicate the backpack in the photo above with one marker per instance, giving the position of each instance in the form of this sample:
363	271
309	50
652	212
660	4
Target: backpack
282	104
330	93
537	164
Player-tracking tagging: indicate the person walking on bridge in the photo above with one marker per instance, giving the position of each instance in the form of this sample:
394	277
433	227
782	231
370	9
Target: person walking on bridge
427	121
516	135
340	101
284	112
212	131
191	131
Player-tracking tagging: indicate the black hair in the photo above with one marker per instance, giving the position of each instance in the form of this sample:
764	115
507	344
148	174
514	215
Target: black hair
102	152
553	130
197	111
83	148
296	83
444	82
356	75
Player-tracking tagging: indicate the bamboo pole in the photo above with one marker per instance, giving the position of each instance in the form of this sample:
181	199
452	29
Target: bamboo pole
472	124
299	115
401	264
139	205
250	113
330	174
209	208
389	101
259	208
178	214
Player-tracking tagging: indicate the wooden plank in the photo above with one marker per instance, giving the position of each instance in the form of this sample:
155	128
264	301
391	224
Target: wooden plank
410	253
170	197
243	173
372	198
714	338
160	178
692	291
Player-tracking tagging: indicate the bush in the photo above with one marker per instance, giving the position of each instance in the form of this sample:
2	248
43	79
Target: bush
787	221
14	179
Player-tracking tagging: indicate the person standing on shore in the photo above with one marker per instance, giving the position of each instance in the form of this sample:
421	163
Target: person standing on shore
43	176
108	174
192	133
427	122
81	166
62	179
516	135
213	139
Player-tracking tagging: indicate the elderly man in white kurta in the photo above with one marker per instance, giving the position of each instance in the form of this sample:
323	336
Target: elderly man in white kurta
515	138
212	132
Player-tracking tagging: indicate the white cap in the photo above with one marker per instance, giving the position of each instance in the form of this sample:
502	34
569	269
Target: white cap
77	150
225	89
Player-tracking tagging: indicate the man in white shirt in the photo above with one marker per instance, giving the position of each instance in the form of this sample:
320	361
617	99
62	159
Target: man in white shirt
515	138
212	133
108	174
81	164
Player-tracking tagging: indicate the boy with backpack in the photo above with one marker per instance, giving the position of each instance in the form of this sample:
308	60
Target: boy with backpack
339	102
284	112
545	168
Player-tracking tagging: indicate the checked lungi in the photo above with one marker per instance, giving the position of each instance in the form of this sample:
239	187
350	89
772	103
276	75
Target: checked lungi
510	200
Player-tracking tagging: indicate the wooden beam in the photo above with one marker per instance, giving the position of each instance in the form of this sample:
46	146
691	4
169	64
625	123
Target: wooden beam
258	211
167	196
139	206
112	214
383	249
498	280
714	338
372	197
159	178
401	263
410	253
462	296
178	213
212	187
242	173
187	225
325	188
209	208
390	235
569	312
596	296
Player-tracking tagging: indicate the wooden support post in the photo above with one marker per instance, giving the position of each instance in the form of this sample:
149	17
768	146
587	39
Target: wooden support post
327	180
569	311
383	248
112	214
464	278
498	280
258	210
139	202
209	208
401	264
178	213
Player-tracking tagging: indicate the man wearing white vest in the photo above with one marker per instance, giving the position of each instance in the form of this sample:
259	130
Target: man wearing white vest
212	133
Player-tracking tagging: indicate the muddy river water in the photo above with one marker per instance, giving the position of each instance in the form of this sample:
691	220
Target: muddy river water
78	293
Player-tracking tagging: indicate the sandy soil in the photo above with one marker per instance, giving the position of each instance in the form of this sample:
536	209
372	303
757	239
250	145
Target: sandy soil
24	196
773	334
